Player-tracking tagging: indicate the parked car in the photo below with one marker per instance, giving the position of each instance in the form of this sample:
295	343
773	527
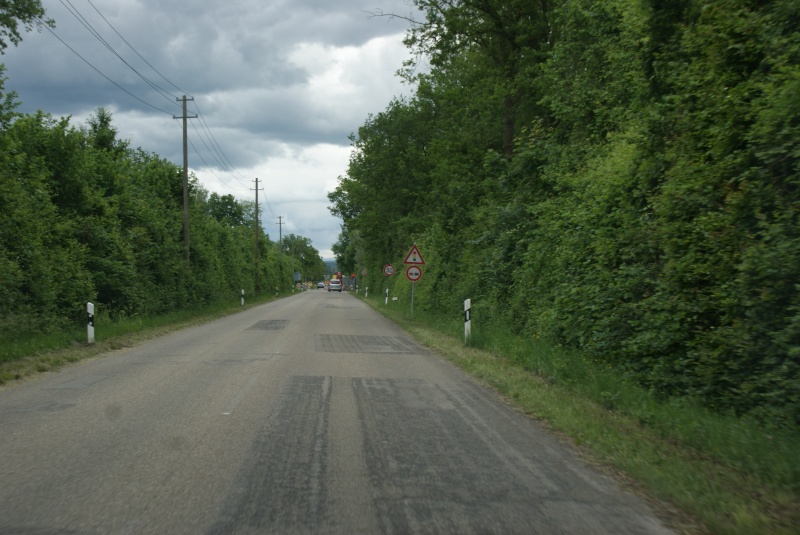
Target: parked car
335	285
320	284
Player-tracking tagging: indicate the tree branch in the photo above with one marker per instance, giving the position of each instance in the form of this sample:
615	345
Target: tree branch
380	13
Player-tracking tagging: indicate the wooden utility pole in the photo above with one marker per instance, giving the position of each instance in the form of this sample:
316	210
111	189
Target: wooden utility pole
185	177
280	250
256	225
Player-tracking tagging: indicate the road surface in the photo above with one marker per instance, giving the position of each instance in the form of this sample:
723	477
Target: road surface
312	414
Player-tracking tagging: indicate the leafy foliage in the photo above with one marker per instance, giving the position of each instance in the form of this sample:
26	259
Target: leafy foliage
13	12
648	212
83	217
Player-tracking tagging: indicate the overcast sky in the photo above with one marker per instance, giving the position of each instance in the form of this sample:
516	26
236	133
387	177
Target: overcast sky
279	84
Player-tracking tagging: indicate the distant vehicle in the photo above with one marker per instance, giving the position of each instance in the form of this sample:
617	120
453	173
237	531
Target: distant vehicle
320	284
335	285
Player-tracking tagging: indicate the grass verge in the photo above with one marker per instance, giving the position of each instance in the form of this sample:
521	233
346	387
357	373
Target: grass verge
703	472
25	351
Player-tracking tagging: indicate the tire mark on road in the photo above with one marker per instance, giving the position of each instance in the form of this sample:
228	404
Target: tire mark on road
281	486
437	465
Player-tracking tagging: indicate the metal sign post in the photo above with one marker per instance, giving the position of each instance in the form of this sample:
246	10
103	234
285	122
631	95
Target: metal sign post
412	300
413	273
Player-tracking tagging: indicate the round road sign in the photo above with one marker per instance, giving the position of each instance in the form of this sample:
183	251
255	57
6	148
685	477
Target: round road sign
388	270
414	273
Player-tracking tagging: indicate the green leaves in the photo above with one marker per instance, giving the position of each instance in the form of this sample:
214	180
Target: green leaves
649	211
26	12
85	218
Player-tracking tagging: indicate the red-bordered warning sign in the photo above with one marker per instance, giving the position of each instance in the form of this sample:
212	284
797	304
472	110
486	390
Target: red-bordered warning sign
413	273
414	257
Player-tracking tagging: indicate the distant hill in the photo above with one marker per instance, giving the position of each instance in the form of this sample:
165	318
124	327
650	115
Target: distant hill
330	266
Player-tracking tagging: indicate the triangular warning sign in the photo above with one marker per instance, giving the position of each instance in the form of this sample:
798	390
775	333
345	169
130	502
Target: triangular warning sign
413	256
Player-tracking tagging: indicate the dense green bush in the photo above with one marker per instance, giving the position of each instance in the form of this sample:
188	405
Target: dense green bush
83	217
649	213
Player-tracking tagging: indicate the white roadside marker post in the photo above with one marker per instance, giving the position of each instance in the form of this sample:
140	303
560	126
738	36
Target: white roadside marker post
467	320
90	325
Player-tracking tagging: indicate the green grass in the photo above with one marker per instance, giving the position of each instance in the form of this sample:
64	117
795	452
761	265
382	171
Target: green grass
704	472
28	347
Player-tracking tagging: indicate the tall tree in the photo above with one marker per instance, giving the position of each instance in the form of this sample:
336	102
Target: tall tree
226	208
513	36
386	178
650	212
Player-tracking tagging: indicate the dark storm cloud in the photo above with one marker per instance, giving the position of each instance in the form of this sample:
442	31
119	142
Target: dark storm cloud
239	47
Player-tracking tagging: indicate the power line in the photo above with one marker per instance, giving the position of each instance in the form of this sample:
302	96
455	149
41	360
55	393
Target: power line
213	139
222	165
215	149
210	168
268	206
98	70
135	51
86	24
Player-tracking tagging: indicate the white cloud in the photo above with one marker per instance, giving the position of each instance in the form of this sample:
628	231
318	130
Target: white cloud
346	83
296	183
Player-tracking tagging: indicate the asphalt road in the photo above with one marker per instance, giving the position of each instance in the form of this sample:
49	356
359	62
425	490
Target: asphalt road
312	414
